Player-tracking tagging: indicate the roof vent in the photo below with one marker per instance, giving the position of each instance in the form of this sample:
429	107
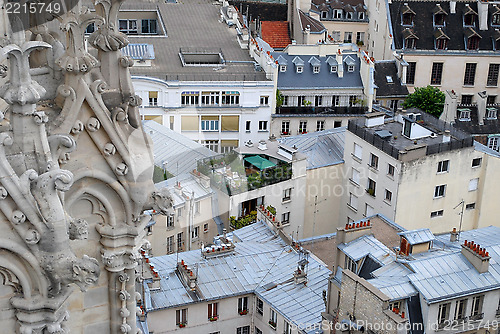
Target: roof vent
262	145
249	143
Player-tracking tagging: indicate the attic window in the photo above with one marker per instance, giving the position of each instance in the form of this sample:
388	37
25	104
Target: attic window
389	79
441	43
411	43
361	15
300	69
333	69
495	19
338	14
408	19
348	15
315	69
201	57
473	43
491	113
324	15
350	68
464	114
282	68
439	19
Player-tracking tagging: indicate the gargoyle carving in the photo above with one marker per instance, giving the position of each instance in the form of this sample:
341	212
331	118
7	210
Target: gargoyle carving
162	201
63	270
78	229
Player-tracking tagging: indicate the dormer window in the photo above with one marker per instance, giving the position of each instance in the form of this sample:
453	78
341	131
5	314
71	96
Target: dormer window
332	62
333	69
348	15
300	69
410	43
441	39
469	16
324	15
361	16
491	113
464	114
439	19
496	40
350	68
282	68
350	63
473	42
316	69
299	64
338	14
495	19
408	19
315	63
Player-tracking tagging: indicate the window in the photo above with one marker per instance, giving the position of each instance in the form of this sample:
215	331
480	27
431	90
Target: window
170	244
128	26
336	36
470	74
333	69
149	26
210	98
285	127
179	241
264	100
491	113
287	328
443	313
179	212
337	14
350	264
373	161
273	318
495	19
493	75
260	306
371	187
390	170
315	69
285	218
181	317
287	194
211	144
410	43
337	124
212	311
195	232
441	43
369	211
243	330
477	307
190	98
436	73
394	306
438	213
153	98
318	100
476	162
439	19
242	305
205	227
491	99
408	19
348	37
262	125
353	201
443	166
257	331
301	100
439	191
466	99
197	207
335	100
469	20
300	69
352	100
303	127
247	126
470	206
210	125
360	37
230	98
285	100
473	43
388	196
473	184
348	15
358	151
493	143
460	306
361	15
324	15
410	73
282	68
170	221
355	176
320	125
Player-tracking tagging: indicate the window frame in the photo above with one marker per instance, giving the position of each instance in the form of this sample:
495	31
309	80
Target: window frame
437	73
440	191
493	73
470	74
263	126
443	166
181	317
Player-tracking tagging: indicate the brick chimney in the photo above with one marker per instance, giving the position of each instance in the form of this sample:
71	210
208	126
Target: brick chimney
187	275
353	231
476	255
454	235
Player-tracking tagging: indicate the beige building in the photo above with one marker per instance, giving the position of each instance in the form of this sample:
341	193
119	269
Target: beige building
413	170
251	281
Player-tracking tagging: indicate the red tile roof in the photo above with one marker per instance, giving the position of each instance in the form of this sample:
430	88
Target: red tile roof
275	33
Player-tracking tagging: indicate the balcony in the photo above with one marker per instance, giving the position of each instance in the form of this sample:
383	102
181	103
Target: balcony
321	110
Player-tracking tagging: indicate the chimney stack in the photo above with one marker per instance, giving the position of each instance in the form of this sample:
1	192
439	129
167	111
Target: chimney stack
482	8
353	231
450	107
340	62
446	136
454	235
481	107
476	255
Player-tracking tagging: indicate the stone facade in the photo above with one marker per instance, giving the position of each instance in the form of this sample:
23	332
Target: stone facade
76	175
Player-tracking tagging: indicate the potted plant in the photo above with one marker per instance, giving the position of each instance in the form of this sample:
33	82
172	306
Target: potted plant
214	318
272	324
182	324
243	312
370	191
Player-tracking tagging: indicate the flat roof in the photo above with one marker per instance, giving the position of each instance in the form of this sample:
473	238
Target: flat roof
194	24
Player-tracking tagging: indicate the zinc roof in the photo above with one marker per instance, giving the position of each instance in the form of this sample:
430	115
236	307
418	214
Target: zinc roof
415	237
367	245
190	187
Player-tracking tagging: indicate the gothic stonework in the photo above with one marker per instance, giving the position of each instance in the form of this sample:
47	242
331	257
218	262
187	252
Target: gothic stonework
75	177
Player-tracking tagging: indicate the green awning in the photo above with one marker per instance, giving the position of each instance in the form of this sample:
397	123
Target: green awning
259	162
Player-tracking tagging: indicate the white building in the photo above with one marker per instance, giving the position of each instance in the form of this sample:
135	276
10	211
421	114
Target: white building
418	171
201	81
251	281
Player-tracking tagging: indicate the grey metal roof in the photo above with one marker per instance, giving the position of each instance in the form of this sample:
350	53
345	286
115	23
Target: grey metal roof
189	186
367	245
322	148
139	51
290	79
314	61
415	237
179	152
259	259
331	61
282	61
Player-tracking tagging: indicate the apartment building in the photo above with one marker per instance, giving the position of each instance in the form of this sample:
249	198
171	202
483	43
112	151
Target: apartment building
480	118
320	86
418	171
428	284
200	82
250	281
452	45
265	175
